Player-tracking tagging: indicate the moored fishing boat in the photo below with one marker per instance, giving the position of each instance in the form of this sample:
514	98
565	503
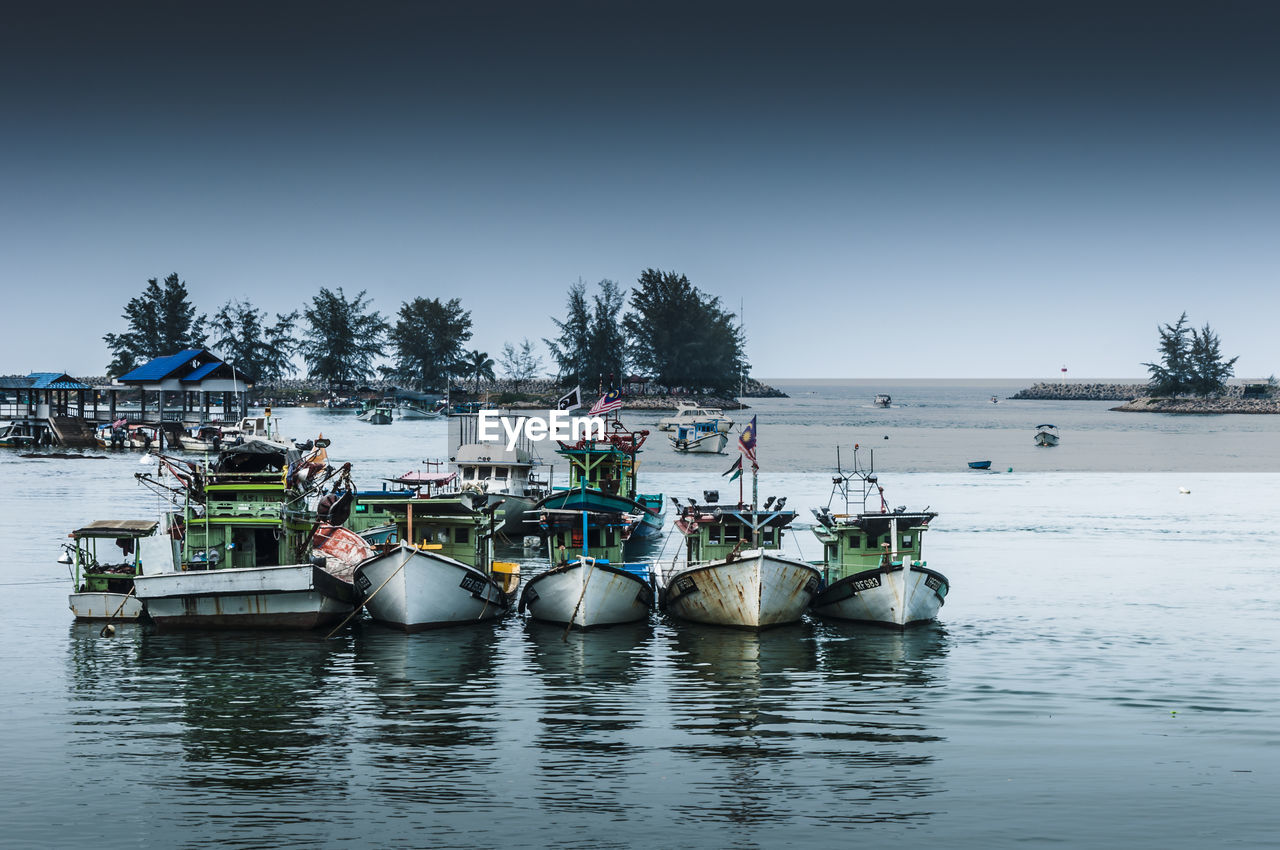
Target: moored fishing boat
436	568
588	584
873	569
733	572
103	580
247	559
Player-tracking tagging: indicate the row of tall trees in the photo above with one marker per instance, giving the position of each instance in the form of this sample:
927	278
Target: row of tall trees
665	327
341	338
673	332
1191	361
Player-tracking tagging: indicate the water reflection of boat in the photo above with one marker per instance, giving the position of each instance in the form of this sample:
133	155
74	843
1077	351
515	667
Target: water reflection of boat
411	684
611	655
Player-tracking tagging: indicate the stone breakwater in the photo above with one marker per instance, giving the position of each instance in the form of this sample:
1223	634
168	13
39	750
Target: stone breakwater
1220	404
1082	392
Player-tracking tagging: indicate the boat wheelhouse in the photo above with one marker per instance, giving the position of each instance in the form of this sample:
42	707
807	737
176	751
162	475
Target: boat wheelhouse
873	566
104	558
504	473
602	479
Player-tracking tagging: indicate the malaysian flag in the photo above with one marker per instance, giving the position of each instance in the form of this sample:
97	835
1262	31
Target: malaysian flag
747	442
609	402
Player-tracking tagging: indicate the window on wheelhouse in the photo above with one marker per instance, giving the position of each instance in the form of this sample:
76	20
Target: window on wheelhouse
461	534
713	534
732	532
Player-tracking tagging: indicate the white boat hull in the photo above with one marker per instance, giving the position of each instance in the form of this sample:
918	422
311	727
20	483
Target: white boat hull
298	596
417	589
587	595
892	596
756	590
105	606
1046	439
708	444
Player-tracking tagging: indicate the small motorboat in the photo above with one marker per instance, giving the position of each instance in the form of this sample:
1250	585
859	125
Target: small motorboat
883	400
1046	435
702	437
995	400
376	414
979	464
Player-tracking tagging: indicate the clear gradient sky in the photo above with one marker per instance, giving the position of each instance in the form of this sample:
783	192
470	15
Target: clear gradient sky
892	189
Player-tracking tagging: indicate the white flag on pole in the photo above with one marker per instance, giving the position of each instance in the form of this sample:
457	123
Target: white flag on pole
571	400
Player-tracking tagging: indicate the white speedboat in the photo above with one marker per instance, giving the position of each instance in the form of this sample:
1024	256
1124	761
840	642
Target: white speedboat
692	414
588	592
699	438
416	589
883	400
733	573
1046	435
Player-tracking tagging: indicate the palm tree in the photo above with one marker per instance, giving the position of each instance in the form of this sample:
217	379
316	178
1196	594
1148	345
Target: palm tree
480	367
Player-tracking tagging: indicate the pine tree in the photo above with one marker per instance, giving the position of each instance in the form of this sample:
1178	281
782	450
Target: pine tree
1172	375
343	337
428	337
161	321
1209	372
243	338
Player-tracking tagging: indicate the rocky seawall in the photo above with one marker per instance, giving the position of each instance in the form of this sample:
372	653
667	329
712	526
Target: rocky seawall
1220	404
1081	392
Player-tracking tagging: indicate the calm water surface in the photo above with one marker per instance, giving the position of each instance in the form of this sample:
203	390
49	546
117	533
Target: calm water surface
1105	670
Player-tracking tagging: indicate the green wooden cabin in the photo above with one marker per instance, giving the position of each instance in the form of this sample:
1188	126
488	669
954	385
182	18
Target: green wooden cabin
857	543
447	524
105	554
715	532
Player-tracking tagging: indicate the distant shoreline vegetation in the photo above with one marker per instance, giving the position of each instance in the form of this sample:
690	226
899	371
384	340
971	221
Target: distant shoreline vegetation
664	332
1190	377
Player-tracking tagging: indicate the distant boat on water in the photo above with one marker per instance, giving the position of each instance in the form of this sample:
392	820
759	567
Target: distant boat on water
979	464
1046	435
883	400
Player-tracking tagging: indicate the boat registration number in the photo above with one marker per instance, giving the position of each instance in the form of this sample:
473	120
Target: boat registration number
473	585
362	583
936	585
866	583
685	585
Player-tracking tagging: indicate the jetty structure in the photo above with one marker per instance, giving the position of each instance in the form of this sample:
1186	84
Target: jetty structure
180	389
